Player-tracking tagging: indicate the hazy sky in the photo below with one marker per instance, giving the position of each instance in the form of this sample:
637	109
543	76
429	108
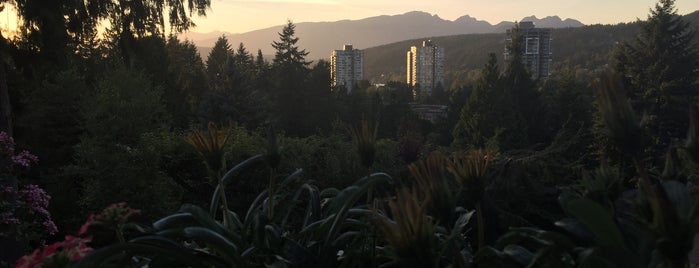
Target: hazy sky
238	16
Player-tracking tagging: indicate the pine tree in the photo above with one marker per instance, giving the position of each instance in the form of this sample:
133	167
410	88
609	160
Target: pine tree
475	125
661	69
287	51
218	62
289	70
243	59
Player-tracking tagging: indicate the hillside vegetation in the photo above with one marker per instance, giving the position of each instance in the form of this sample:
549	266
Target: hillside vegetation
581	48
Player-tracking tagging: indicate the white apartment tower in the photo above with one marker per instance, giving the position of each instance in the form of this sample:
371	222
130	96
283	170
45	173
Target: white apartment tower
346	67
425	67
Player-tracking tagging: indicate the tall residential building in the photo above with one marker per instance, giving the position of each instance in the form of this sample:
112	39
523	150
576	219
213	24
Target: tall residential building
425	66
535	50
346	67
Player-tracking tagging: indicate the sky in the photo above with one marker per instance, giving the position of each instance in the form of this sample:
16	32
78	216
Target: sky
239	16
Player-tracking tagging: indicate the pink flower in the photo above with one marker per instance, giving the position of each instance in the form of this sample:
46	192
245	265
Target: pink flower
30	261
72	248
86	225
76	247
50	227
25	159
7	144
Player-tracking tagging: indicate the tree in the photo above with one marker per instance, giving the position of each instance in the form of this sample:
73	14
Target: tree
661	67
289	71
524	99
475	125
116	159
218	63
243	59
287	53
186	81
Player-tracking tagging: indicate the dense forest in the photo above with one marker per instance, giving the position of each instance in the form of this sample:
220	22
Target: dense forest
122	147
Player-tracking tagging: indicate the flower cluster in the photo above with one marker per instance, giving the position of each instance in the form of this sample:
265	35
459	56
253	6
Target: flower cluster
23	209
113	217
24	159
27	214
7	144
72	248
58	254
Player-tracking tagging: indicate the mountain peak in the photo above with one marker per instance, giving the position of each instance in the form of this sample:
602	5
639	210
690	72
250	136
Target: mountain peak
530	18
466	18
416	13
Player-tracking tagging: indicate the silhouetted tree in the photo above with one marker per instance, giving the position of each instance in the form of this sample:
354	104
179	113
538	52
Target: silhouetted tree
186	81
289	70
661	67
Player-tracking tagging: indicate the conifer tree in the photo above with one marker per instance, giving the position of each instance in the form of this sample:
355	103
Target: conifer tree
287	52
471	128
218	62
661	68
289	69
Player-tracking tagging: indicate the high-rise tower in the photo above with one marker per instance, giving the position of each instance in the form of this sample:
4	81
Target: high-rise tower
346	67
425	67
535	48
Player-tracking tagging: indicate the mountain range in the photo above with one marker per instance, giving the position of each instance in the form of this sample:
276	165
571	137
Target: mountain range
583	49
320	38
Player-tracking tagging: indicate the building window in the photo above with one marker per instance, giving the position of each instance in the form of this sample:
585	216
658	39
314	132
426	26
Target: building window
532	45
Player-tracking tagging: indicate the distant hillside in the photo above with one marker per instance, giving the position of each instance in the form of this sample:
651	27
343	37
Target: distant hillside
583	47
320	38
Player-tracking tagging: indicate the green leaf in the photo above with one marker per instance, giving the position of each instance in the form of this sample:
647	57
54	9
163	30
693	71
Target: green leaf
100	257
575	228
215	241
599	221
519	254
206	221
588	259
175	220
679	196
215	198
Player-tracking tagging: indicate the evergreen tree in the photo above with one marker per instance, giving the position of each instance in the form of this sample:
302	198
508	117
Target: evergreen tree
289	70
661	68
522	97
475	125
243	59
112	160
218	63
186	81
287	52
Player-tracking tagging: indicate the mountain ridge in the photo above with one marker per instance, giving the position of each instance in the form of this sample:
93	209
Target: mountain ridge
320	38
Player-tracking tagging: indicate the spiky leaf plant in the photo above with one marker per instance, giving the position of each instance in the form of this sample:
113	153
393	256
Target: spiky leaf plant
210	145
408	230
438	190
364	140
619	119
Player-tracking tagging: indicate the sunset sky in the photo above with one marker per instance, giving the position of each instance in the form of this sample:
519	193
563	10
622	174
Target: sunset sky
238	16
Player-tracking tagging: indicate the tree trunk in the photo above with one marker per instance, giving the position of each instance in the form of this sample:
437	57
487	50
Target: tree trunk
5	107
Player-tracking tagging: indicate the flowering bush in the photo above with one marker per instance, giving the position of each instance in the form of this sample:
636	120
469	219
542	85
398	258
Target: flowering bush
7	151
24	213
72	249
58	254
114	217
26	216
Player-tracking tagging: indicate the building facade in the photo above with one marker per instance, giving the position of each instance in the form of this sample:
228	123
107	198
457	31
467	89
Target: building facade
346	67
535	50
425	67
